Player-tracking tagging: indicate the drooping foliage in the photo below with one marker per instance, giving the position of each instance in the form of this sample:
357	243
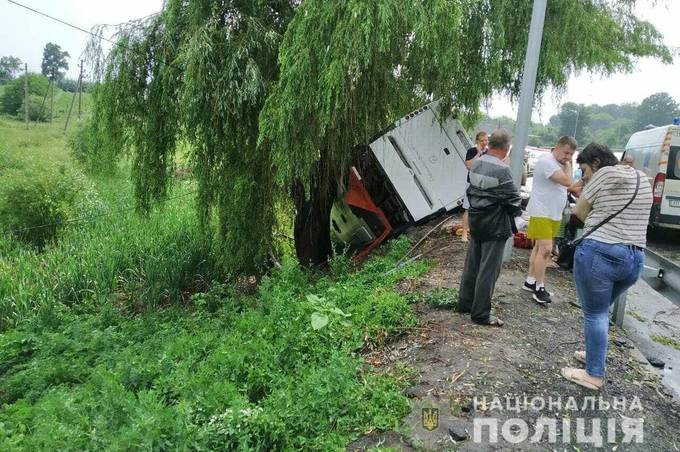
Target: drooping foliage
277	94
199	73
346	68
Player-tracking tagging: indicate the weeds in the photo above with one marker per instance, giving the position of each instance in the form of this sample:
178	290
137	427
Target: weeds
439	298
232	372
119	337
667	341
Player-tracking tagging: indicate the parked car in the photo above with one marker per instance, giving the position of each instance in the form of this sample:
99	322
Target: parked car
532	154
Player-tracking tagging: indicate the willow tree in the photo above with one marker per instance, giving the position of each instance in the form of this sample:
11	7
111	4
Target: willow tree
273	97
198	73
348	68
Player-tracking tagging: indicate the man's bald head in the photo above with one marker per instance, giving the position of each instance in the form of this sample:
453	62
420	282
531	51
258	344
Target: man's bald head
499	143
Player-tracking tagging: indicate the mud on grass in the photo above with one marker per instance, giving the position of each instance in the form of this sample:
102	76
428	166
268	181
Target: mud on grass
456	361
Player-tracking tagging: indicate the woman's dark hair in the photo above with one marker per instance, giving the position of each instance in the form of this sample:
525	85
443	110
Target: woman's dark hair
599	153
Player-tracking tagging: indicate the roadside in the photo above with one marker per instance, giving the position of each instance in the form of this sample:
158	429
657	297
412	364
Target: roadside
653	322
666	243
458	362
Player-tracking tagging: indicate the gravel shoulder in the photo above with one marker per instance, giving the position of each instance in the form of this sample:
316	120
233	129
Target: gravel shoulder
457	362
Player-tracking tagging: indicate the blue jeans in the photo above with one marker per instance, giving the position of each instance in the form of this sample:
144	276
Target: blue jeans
602	272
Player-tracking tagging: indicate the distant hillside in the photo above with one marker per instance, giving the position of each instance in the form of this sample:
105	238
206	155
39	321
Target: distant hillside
610	124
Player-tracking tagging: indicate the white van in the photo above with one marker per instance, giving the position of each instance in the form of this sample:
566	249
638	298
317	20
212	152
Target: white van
656	152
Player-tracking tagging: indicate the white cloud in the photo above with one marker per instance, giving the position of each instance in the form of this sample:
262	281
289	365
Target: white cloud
24	34
650	76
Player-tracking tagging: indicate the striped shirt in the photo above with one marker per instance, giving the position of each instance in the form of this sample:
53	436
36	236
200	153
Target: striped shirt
609	189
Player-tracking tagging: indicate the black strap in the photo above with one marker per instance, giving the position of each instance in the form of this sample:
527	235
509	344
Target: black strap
606	220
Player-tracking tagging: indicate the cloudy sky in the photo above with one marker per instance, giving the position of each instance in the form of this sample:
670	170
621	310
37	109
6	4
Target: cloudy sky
24	34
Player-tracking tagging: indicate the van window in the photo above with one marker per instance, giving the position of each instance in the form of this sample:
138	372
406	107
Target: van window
674	163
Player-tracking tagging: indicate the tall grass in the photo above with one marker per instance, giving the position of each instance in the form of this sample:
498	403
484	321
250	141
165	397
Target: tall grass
277	370
139	262
117	336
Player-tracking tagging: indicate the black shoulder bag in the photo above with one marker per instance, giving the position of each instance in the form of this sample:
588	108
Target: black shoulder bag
566	256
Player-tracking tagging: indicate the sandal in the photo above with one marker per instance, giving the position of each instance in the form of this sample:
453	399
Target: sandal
492	321
580	377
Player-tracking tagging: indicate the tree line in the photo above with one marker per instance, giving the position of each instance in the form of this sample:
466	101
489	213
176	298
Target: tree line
611	124
53	70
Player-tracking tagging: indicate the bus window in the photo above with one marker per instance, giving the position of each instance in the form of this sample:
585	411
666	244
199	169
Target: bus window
674	163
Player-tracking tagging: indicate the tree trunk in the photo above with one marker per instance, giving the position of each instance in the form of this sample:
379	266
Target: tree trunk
312	231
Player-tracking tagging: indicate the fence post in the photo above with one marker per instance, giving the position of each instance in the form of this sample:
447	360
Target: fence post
619	309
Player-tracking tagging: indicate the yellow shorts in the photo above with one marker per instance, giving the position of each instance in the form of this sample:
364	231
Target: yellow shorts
542	228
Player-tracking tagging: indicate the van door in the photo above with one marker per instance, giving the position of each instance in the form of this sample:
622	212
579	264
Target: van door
670	204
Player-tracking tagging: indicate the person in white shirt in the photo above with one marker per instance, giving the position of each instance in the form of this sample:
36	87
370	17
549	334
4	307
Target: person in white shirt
552	176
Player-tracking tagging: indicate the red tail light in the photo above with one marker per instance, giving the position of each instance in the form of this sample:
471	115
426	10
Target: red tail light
659	183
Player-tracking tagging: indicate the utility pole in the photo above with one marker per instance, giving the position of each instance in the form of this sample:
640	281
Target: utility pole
576	123
526	100
73	99
52	99
80	90
26	94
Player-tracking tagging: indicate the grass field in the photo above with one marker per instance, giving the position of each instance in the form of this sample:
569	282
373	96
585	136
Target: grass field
123	333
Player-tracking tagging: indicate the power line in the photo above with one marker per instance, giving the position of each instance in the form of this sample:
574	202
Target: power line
61	21
76	27
93	217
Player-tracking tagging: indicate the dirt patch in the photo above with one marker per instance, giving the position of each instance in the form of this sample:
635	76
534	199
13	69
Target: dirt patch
458	362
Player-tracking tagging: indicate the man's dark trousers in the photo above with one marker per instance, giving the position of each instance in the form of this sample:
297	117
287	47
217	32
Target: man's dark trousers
482	267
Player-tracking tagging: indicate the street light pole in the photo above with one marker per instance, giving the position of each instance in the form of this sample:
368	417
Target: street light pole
526	99
576	123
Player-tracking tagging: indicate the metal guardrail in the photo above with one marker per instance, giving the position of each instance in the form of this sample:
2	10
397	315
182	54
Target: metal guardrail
665	274
666	271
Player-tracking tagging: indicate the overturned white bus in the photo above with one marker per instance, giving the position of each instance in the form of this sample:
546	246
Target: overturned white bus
412	171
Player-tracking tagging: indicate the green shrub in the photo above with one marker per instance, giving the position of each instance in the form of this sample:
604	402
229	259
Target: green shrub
240	374
36	109
35	203
13	95
87	148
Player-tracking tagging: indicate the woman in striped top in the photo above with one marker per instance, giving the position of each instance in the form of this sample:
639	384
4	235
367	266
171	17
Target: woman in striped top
610	260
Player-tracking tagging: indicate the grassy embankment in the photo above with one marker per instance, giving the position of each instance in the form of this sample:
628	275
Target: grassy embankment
118	336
